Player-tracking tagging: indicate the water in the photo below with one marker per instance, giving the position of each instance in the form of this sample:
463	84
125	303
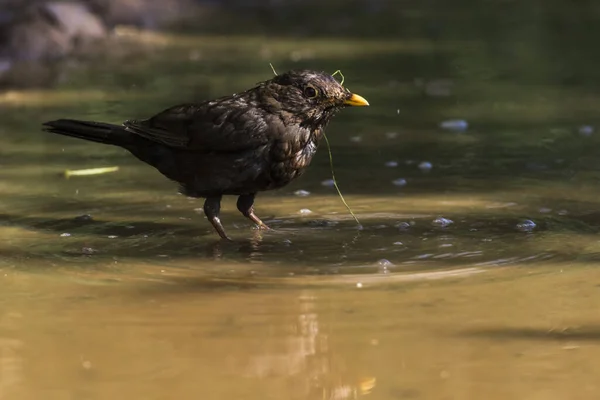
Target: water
116	286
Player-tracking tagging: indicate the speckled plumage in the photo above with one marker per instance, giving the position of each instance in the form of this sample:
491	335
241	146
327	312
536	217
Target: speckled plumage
257	140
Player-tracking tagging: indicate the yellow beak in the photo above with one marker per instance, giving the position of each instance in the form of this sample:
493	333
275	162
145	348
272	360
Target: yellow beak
356	101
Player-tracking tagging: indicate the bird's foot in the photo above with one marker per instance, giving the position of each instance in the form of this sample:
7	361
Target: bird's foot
263	227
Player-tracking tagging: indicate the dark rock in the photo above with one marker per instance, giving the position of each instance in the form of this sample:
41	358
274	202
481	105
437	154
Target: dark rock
149	14
48	31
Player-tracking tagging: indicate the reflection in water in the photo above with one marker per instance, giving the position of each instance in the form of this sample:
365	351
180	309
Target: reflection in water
11	362
304	356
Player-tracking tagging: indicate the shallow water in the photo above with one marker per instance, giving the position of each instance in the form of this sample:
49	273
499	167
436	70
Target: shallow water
115	286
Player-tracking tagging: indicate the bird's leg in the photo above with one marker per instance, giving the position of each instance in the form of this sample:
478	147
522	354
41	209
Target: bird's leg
212	207
245	204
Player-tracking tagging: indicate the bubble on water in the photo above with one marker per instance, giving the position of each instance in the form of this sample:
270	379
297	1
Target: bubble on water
65	234
385	263
398	111
328	183
88	251
391	135
112	236
586	130
359	285
425	166
199	210
526	225
398	244
563	212
455	125
403	226
391	164
442	222
545	210
305	211
83	218
356	139
399	182
302	193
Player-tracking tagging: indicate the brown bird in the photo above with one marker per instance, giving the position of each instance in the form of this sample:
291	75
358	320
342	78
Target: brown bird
257	140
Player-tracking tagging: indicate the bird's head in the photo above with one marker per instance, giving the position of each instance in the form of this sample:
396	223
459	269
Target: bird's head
307	97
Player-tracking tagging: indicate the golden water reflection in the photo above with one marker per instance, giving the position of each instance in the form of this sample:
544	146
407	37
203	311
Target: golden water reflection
518	332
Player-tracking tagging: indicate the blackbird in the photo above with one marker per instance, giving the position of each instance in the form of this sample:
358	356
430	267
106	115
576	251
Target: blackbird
257	140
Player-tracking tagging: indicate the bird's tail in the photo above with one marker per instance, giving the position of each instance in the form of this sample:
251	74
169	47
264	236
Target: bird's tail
94	131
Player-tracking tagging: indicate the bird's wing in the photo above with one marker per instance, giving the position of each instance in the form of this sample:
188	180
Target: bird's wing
210	127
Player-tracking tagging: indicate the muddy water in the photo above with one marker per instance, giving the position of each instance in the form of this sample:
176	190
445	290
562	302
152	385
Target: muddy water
474	278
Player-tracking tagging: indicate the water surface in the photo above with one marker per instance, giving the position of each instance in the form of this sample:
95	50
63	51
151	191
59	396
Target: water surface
474	278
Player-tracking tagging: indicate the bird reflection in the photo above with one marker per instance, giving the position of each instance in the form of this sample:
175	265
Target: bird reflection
11	361
305	357
250	249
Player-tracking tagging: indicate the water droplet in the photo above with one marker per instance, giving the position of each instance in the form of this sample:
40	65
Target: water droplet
328	183
302	193
425	166
456	125
399	182
586	130
442	222
526	225
391	164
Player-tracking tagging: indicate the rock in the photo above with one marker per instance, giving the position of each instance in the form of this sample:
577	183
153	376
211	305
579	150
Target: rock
149	14
48	31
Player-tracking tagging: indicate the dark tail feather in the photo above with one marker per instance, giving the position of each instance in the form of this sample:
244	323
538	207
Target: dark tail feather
88	130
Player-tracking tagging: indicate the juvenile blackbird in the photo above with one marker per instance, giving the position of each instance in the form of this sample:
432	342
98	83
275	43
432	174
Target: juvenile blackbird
257	140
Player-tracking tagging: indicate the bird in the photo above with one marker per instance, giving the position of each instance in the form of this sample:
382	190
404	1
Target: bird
256	140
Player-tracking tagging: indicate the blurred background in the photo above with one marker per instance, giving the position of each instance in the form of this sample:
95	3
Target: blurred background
474	174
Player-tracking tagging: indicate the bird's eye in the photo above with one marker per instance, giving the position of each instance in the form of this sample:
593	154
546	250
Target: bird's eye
310	92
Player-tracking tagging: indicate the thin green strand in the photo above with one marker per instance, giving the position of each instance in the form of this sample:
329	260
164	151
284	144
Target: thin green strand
273	69
340	73
335	182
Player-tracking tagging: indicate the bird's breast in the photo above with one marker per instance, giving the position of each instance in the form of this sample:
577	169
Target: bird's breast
291	160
